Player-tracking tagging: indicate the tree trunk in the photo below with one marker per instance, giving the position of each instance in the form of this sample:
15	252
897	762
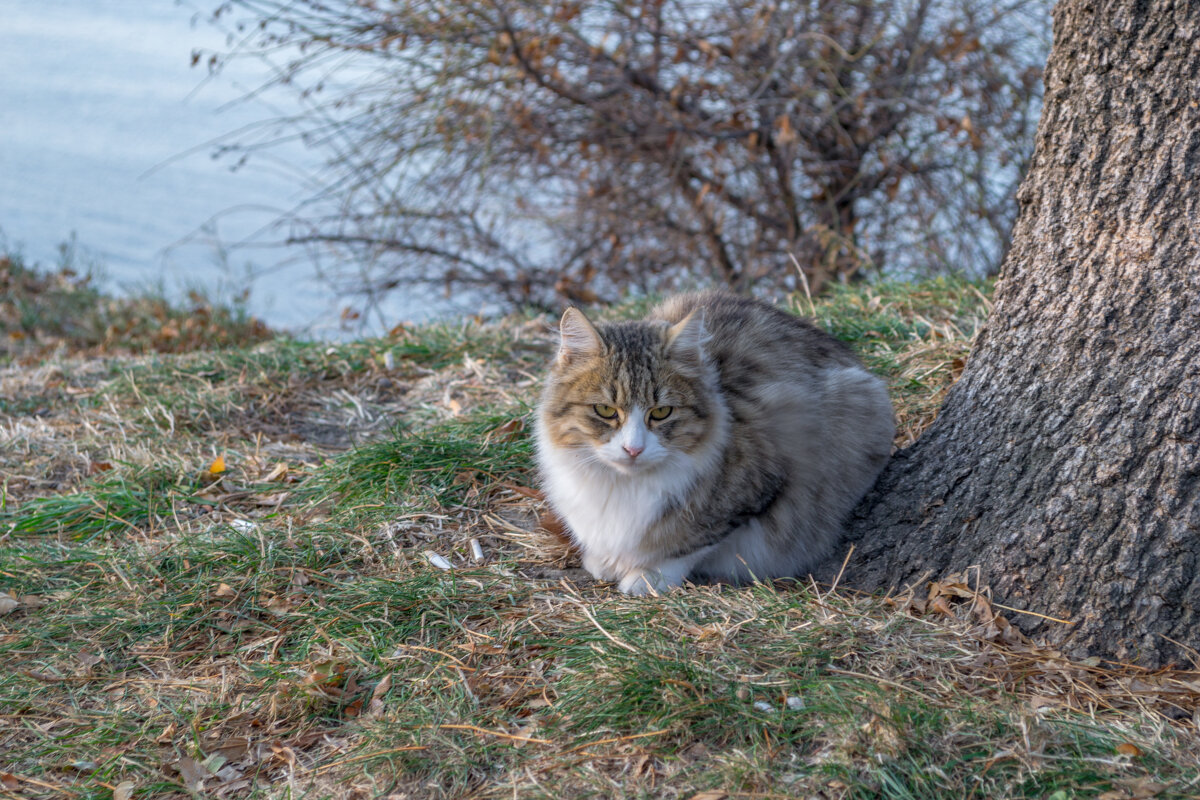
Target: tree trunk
1066	461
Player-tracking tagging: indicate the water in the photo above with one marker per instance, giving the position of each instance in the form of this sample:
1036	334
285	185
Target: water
106	133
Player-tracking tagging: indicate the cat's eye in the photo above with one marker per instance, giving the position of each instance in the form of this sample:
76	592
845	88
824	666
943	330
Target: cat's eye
661	412
604	412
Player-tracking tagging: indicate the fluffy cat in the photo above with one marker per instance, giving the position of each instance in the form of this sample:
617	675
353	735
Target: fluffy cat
719	438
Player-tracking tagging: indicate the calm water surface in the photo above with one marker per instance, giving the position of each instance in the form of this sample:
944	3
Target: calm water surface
106	133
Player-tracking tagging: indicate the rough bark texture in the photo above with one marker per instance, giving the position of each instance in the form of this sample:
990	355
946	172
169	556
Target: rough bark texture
1066	461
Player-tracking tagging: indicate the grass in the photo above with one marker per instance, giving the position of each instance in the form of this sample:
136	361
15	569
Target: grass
45	310
284	569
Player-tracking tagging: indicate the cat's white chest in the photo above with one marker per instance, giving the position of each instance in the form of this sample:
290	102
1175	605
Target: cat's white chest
609	514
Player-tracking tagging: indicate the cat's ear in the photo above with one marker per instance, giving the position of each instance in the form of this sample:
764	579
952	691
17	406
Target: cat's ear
686	339
579	337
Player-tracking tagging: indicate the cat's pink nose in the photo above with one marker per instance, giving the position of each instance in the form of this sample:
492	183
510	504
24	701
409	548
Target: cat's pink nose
633	450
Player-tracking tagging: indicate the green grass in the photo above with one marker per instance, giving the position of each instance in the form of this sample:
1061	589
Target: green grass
440	344
435	466
130	502
281	628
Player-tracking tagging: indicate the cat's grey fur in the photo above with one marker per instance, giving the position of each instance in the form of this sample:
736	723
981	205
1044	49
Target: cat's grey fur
774	433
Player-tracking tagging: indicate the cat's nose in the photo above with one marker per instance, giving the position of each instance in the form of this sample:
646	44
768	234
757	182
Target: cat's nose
633	450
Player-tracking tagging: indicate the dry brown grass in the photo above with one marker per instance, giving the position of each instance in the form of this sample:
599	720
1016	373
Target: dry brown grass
60	311
347	611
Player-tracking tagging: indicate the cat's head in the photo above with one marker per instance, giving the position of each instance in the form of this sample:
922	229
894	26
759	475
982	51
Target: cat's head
630	396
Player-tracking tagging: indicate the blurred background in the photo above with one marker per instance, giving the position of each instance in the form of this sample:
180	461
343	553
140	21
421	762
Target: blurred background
346	166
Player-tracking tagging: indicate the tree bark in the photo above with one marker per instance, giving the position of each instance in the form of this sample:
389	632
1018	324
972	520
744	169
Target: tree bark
1065	462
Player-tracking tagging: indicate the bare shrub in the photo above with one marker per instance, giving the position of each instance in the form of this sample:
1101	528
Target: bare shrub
567	150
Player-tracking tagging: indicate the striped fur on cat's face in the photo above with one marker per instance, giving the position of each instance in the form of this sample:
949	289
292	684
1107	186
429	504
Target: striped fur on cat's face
630	397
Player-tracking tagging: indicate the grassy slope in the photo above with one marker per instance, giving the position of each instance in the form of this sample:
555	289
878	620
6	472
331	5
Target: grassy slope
289	626
42	311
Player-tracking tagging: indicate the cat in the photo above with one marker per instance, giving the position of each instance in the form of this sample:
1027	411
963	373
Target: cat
720	438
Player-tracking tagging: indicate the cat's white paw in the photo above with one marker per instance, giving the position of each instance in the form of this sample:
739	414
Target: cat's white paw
641	582
599	568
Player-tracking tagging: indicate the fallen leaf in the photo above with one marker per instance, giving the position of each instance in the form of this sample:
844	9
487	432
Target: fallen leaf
213	762
325	680
234	788
230	749
468	477
1128	749
1038	702
87	663
1141	788
9	781
305	740
284	754
8	603
714	794
982	609
229	773
167	734
278	472
217	466
382	687
951	588
192	772
279	605
941	606
225	590
524	733
273	499
123	790
507	432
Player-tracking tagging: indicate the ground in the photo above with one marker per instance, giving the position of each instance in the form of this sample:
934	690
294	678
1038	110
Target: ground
269	568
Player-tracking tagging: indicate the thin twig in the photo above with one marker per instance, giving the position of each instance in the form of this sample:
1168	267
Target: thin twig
804	283
884	681
489	732
1033	614
458	662
378	753
836	580
616	739
599	627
